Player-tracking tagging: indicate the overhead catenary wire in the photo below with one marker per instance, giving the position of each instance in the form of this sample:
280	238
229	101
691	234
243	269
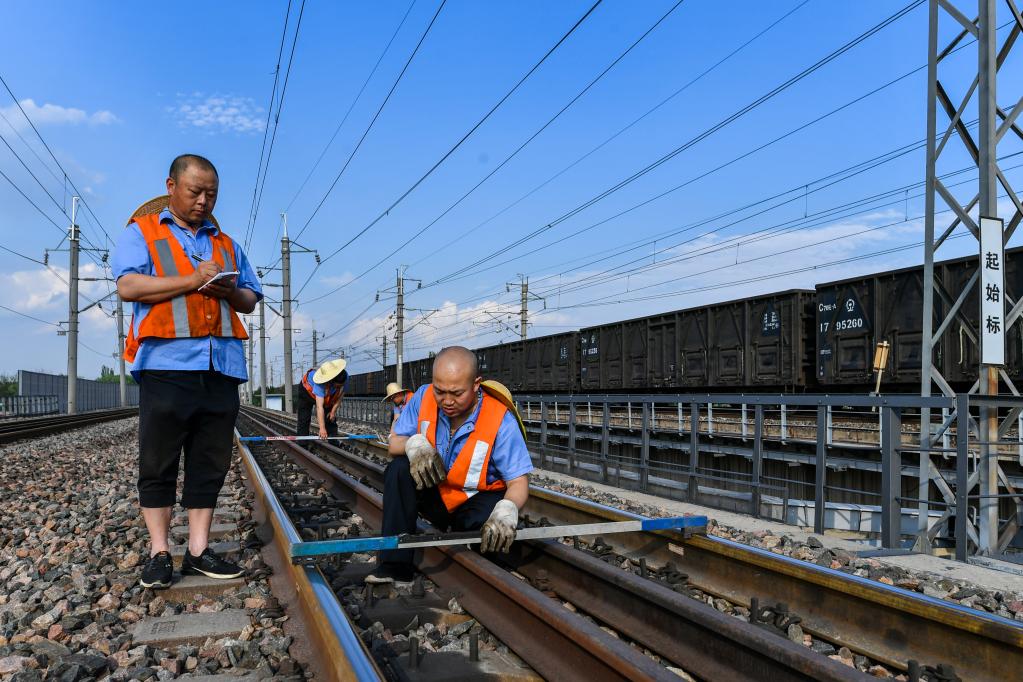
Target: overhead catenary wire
81	196
523	145
464	137
351	106
277	116
723	123
266	126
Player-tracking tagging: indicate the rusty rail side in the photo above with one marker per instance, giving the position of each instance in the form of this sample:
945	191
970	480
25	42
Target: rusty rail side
339	651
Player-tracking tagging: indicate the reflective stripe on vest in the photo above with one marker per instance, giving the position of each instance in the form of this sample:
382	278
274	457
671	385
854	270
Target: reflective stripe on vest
333	392
468	473
189	315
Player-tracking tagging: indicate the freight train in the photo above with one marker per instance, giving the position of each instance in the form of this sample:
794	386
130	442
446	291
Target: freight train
800	340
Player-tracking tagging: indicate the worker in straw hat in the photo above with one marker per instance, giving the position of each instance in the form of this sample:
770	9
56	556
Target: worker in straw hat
185	343
321	389
399	397
459	458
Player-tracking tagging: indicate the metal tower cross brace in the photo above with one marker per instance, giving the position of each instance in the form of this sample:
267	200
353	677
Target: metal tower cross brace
947	102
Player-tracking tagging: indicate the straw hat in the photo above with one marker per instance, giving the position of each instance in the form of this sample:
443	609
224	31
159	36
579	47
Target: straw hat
498	390
155	205
329	370
393	389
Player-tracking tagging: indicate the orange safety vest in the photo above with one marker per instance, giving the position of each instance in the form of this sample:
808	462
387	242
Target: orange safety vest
190	315
333	392
468	475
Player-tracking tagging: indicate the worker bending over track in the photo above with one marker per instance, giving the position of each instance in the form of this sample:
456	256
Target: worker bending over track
323	390
459	458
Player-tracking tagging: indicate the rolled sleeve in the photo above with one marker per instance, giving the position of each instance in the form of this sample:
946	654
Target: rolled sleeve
408	421
131	254
511	457
246	275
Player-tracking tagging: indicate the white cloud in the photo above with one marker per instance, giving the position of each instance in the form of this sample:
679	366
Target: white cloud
54	114
218	113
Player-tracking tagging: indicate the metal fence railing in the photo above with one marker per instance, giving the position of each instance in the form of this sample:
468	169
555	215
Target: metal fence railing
28	405
91	395
884	465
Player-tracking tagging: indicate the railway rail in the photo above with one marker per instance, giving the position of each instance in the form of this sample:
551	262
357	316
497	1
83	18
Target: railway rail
887	624
555	642
40	426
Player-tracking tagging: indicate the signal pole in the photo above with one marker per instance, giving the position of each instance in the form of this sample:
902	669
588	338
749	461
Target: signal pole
120	351
72	324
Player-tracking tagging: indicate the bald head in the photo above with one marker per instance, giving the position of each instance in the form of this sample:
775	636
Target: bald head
455	380
456	360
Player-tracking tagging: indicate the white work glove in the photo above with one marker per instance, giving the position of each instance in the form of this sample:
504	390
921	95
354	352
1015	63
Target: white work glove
425	462
499	530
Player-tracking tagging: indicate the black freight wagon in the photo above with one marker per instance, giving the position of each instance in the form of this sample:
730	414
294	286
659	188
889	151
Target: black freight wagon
500	363
761	342
547	363
854	315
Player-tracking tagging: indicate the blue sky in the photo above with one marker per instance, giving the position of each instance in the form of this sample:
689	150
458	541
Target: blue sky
118	90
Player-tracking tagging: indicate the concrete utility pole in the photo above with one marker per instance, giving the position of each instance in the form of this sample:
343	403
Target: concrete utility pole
316	358
286	310
120	352
384	340
399	341
262	354
524	305
252	379
72	314
524	313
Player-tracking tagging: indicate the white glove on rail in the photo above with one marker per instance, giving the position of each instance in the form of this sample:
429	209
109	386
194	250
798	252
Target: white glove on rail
425	462
499	530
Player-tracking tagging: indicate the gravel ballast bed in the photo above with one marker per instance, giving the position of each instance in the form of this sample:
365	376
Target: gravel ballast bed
72	545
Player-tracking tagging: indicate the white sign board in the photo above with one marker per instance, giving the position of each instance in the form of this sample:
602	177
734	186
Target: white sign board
992	292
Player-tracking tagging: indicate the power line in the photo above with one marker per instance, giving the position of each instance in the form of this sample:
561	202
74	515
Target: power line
522	146
266	126
277	117
355	101
36	319
380	109
466	136
53	156
695	140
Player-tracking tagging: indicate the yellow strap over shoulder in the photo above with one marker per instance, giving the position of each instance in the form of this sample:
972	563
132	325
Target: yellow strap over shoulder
495	389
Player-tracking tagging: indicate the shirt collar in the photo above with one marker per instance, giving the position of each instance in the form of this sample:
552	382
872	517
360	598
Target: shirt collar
165	217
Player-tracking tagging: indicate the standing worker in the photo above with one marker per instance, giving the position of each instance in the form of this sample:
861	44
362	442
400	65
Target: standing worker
322	389
459	458
185	343
399	397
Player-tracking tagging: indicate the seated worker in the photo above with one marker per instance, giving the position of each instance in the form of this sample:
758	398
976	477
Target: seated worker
459	458
399	397
323	389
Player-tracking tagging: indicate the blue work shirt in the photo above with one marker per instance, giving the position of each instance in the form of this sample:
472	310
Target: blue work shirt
320	389
225	354
509	458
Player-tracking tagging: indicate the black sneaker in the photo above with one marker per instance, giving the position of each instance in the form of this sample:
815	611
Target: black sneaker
209	565
391	573
157	572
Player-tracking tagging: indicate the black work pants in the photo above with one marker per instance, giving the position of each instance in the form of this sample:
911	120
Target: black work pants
403	503
305	406
190	412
